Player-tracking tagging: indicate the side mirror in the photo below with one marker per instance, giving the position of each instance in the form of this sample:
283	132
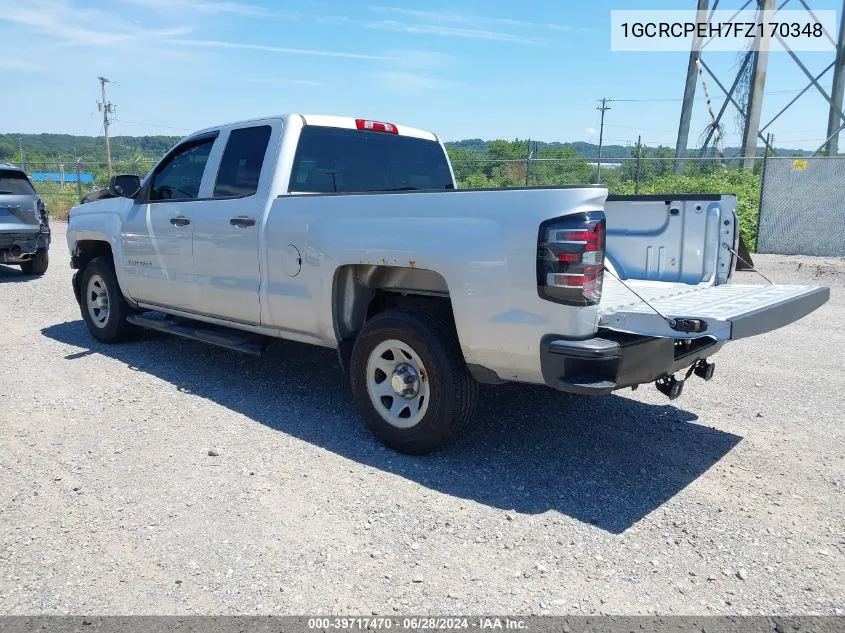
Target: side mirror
124	186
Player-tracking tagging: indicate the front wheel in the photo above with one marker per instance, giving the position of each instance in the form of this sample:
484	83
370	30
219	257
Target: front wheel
104	309
38	264
409	380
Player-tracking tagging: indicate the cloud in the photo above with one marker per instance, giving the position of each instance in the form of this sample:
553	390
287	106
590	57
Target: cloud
340	20
74	26
414	59
277	49
449	31
513	22
12	63
532	25
437	16
405	81
283	81
209	7
590	131
443	16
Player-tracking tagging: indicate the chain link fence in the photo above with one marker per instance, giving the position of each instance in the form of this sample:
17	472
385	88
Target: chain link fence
628	174
61	184
802	207
644	175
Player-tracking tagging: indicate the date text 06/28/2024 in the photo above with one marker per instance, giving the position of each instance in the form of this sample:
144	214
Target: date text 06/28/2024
417	623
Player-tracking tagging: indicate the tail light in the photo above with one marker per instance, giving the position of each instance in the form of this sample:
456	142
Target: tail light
42	212
570	258
376	126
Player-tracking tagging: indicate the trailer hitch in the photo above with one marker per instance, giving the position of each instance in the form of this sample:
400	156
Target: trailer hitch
704	370
670	386
673	388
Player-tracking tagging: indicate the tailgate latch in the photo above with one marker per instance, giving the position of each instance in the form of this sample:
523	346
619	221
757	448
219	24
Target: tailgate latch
688	326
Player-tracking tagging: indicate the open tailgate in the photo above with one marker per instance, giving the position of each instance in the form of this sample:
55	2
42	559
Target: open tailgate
730	312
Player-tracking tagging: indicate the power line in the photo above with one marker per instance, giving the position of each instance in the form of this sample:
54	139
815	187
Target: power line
674	100
637	129
156	125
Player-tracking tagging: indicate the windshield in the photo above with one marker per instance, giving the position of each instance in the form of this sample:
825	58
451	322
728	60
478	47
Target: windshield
332	159
15	183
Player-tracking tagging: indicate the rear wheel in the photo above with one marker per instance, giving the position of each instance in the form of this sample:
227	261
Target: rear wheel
104	309
38	264
409	380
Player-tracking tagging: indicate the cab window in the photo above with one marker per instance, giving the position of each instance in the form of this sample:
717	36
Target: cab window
242	160
180	176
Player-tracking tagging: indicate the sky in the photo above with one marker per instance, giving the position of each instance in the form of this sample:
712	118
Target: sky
464	69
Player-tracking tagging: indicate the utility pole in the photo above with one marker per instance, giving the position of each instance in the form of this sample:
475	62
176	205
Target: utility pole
602	108
834	121
758	84
107	108
639	155
20	145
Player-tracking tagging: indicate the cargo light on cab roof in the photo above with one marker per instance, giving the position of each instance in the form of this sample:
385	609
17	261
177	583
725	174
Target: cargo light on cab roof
376	126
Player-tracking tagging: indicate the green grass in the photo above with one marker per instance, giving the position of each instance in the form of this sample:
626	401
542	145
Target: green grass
740	182
59	199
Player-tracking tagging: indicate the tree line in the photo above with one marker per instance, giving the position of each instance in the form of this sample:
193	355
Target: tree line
477	164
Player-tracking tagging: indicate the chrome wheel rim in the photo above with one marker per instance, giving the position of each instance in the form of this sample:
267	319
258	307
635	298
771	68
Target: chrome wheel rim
397	383
97	301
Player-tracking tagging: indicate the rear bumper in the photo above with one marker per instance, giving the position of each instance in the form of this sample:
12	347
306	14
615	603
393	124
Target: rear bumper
19	247
614	360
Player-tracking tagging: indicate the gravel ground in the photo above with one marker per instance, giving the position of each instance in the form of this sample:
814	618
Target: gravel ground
167	477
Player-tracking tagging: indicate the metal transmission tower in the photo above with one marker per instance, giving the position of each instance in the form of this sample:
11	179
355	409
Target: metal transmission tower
107	108
758	61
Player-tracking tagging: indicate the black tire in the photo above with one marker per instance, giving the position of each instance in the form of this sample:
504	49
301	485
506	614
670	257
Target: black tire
38	264
114	328
453	393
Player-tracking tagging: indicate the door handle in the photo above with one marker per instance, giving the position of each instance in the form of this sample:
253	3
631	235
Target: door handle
180	220
242	221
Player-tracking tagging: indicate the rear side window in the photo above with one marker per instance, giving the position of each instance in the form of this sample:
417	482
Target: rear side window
332	159
241	164
15	183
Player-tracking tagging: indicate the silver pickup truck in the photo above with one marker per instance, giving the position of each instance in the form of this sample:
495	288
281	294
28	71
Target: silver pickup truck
350	234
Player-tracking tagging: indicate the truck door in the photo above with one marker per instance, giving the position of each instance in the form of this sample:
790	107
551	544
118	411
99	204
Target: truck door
157	235
226	227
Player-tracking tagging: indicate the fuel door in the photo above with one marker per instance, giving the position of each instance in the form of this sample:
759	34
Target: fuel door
292	261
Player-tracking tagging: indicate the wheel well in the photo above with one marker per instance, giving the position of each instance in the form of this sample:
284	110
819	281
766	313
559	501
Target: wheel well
362	291
86	250
387	300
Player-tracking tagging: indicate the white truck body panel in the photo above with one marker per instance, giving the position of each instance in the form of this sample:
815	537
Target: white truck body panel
472	239
662	238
